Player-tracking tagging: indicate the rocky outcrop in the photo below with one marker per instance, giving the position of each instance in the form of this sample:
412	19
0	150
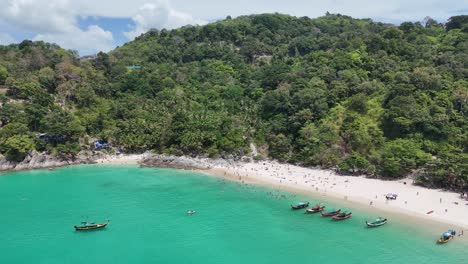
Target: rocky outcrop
175	162
36	160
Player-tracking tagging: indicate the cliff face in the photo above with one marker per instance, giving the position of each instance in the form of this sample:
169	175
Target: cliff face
36	160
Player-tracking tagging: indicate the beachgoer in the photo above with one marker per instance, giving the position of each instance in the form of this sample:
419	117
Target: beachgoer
440	200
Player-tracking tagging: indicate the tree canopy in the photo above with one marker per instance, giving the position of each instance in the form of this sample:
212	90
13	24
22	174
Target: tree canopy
351	94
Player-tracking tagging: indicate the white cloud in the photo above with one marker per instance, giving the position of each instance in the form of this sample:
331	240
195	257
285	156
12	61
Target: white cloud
6	39
39	15
212	9
159	14
86	41
55	21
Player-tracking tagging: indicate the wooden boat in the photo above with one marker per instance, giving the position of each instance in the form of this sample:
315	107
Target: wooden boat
300	205
315	209
377	222
331	213
342	216
90	226
442	240
446	237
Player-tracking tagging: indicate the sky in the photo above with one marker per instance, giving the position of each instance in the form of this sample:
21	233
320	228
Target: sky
90	26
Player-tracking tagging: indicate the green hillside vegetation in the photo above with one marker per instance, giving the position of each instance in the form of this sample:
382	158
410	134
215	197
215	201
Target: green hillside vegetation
338	92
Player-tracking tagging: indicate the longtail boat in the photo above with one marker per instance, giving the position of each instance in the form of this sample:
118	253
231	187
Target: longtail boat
377	222
446	237
331	213
315	209
342	216
300	205
90	226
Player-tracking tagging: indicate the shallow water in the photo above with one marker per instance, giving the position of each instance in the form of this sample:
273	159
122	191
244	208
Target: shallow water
147	207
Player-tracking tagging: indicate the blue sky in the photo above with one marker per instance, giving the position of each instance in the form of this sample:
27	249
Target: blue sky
115	25
90	26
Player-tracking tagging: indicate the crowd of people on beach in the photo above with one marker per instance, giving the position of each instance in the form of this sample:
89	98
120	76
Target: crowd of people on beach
287	175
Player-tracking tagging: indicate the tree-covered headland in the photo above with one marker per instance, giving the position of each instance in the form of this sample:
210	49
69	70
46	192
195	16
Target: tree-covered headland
352	94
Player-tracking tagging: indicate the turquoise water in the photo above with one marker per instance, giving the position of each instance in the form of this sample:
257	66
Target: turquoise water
234	223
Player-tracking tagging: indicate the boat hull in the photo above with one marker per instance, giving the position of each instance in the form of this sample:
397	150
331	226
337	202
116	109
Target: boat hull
376	224
443	241
91	227
338	218
300	206
314	210
446	237
331	213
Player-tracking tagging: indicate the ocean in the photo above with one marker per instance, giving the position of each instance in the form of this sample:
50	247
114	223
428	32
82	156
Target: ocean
233	223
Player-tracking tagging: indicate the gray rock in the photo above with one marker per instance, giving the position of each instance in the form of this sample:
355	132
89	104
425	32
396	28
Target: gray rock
36	160
175	162
5	164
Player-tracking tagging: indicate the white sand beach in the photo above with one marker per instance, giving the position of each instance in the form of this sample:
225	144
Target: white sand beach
412	204
122	159
414	201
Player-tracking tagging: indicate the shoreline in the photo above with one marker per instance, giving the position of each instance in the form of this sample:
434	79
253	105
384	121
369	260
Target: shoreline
411	206
41	161
403	216
447	210
123	159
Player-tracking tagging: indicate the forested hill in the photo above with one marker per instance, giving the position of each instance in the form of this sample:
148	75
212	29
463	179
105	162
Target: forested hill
357	95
